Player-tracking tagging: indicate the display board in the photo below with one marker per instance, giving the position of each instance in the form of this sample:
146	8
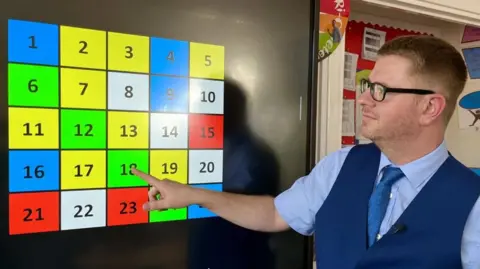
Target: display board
86	105
214	94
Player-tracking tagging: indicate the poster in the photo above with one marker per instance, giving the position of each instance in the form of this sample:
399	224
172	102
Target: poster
332	25
469	111
472	59
471	34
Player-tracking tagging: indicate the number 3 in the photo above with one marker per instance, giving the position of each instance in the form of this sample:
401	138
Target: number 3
129	52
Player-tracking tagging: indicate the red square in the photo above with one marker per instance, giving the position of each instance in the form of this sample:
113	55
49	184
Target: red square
125	206
205	131
34	212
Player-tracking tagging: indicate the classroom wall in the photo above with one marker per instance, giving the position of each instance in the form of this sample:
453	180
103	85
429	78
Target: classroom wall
463	143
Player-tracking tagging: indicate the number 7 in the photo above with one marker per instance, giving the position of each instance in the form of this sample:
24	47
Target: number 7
85	85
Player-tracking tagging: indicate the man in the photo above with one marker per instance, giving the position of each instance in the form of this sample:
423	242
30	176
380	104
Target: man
401	202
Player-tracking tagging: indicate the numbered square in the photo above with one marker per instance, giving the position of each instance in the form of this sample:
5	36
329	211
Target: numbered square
168	94
83	209
168	131
80	47
32	128
125	206
172	214
170	164
128	52
207	61
205	166
198	212
120	163
128	129
83	169
33	170
205	131
33	212
83	88
169	57
30	85
128	91
83	129
32	42
206	96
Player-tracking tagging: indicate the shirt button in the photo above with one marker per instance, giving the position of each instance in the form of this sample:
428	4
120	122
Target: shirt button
391	195
379	236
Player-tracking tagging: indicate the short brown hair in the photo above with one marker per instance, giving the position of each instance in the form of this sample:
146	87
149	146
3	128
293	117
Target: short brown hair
435	60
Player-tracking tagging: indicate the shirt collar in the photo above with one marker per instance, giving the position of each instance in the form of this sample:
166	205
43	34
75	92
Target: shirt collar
420	170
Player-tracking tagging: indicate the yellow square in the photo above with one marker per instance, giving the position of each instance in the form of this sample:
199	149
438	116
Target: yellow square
33	128
207	61
83	169
83	88
128	52
81	47
169	164
128	130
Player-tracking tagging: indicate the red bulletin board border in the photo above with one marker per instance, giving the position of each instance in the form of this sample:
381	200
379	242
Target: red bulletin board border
353	44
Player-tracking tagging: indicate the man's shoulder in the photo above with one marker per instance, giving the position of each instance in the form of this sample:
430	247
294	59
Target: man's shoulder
340	155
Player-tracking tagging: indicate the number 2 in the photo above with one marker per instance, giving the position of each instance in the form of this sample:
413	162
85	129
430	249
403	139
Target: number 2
83	48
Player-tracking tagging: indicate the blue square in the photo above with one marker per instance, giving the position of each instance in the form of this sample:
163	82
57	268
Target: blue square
168	94
33	42
168	57
197	212
33	170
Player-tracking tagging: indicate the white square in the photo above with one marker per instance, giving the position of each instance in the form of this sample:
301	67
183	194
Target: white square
128	91
205	166
168	131
83	209
206	96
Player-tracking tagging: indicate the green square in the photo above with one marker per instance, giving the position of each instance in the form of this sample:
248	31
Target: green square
168	215
31	85
119	163
83	129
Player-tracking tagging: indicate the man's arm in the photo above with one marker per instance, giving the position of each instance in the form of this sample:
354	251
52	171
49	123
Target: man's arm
249	211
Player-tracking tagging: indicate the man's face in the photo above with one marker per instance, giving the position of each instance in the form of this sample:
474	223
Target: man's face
396	116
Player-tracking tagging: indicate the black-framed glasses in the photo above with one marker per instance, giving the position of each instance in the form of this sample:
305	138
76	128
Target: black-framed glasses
378	91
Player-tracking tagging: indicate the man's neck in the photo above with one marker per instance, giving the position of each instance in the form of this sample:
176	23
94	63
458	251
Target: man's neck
404	151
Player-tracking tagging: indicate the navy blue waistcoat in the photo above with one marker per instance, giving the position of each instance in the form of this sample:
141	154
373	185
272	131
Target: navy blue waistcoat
433	222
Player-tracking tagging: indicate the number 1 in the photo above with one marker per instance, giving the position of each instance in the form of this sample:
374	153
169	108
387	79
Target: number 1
32	45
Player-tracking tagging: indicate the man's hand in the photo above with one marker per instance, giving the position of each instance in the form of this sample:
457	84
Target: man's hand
166	193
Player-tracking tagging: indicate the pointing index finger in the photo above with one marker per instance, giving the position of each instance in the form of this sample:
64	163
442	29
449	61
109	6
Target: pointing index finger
148	178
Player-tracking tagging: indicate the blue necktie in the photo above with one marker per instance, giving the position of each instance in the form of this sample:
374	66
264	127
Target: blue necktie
379	201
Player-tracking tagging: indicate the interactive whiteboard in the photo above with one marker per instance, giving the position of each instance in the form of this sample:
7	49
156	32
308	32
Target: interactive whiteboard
86	105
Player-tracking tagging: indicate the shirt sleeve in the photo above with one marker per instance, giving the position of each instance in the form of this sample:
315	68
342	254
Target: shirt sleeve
471	239
299	204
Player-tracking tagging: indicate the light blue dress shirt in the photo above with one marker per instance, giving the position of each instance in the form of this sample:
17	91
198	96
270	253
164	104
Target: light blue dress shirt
299	204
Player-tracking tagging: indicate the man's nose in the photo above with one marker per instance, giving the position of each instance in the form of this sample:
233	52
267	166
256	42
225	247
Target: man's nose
365	99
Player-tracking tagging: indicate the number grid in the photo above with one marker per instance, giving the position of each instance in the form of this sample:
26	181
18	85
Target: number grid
75	130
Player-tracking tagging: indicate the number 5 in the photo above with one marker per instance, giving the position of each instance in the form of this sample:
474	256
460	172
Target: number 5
208	61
